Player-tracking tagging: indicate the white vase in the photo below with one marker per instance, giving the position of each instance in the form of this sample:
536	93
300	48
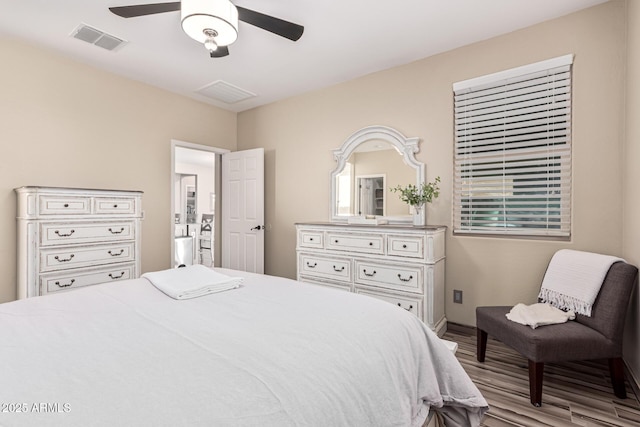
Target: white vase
418	215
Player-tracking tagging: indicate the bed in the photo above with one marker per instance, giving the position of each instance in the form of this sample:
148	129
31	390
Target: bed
273	352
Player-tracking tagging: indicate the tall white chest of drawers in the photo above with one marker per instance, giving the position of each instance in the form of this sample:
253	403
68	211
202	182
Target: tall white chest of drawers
69	238
403	265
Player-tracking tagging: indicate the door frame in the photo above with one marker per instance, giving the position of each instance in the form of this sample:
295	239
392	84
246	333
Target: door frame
218	174
358	195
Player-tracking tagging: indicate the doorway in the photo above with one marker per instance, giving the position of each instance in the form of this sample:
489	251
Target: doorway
371	195
195	219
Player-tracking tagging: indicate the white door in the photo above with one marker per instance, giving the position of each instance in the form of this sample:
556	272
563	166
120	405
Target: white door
243	210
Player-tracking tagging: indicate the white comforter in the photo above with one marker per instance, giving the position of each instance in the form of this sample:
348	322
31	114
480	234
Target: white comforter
273	352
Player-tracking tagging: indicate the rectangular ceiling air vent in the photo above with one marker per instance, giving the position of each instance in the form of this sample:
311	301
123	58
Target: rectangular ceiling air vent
225	92
99	38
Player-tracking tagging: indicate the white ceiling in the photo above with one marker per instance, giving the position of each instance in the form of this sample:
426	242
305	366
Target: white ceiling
343	39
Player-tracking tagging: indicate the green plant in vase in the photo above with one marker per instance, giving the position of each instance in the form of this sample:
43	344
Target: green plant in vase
417	195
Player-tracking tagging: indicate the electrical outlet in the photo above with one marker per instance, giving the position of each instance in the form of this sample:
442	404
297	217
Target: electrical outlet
457	296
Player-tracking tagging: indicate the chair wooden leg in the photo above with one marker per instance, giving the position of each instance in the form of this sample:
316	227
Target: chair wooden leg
481	344
536	370
616	369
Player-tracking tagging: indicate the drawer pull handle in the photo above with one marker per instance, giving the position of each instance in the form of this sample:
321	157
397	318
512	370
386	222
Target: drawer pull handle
116	277
117	232
118	254
370	243
64	235
408	309
338	269
64	259
335	241
67	285
404	246
115	206
311	239
66	205
369	274
312	266
404	280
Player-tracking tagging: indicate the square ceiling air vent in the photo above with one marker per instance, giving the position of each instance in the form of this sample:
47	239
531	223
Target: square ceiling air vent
225	92
99	38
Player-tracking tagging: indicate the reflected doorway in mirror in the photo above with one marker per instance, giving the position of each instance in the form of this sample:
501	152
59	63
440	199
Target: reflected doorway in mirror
371	195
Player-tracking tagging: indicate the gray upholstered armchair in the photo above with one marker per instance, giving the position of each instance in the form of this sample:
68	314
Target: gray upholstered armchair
586	338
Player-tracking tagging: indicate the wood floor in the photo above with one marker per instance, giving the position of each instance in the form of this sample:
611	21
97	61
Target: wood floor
573	394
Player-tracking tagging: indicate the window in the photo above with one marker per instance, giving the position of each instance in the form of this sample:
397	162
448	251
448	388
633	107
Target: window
513	151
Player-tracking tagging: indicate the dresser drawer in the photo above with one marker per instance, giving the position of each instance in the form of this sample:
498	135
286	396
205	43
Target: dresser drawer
310	239
89	232
412	305
405	246
84	256
329	268
356	242
64	205
114	205
405	278
55	282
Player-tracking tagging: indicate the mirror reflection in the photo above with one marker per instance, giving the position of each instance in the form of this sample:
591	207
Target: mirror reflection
363	186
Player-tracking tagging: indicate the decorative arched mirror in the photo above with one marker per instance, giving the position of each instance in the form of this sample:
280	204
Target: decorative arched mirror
371	162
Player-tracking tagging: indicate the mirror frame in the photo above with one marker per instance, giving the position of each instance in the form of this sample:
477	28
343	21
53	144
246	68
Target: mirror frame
408	147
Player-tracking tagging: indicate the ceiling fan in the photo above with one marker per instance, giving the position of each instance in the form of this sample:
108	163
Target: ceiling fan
214	23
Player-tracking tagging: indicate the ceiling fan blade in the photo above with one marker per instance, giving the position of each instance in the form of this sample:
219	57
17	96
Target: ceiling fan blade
145	9
274	25
220	52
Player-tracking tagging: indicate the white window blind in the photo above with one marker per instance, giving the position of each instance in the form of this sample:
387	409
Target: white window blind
513	151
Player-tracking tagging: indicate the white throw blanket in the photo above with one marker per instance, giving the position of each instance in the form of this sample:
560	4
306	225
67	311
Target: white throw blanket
539	314
191	282
573	279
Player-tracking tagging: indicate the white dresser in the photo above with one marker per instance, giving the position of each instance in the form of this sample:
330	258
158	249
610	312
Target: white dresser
68	238
403	265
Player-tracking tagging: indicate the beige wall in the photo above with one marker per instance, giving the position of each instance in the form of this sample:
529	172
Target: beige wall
66	124
631	178
299	133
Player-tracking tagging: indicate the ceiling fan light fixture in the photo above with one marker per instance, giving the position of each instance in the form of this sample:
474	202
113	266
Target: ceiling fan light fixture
200	18
210	43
